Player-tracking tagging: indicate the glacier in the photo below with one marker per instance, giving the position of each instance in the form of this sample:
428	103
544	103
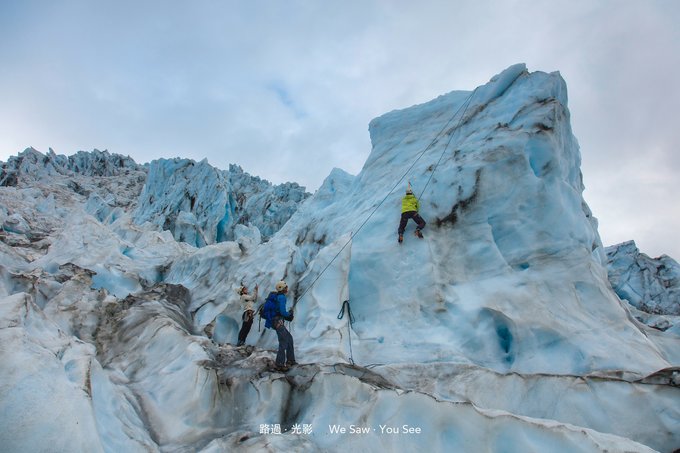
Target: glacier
509	327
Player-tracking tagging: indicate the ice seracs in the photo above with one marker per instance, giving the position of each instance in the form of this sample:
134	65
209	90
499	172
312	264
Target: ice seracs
202	205
649	284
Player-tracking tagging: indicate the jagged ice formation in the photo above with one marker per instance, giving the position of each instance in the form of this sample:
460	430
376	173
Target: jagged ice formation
650	285
202	205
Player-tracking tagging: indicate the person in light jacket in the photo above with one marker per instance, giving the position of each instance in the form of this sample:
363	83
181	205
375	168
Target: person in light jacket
248	301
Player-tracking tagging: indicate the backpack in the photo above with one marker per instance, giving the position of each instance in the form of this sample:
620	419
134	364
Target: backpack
269	309
260	316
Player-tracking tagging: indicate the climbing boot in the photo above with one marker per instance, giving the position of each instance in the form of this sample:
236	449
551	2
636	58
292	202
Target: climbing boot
401	238
419	234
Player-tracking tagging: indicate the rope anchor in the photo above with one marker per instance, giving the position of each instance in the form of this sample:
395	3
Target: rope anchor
350	322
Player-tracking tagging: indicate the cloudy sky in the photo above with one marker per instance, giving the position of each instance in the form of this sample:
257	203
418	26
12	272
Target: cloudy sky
286	88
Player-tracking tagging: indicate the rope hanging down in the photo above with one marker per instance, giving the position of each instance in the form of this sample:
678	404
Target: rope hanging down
350	322
434	140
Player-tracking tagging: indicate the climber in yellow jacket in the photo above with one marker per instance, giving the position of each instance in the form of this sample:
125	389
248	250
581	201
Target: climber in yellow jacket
409	210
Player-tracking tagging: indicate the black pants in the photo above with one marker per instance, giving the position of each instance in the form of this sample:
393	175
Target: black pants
410	215
286	353
245	328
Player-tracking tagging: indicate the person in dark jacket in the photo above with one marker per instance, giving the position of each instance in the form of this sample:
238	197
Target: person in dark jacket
409	210
274	319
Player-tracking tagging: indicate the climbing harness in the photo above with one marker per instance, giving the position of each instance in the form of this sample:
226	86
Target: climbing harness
350	322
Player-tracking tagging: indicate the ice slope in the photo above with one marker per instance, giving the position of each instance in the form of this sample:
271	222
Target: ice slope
499	331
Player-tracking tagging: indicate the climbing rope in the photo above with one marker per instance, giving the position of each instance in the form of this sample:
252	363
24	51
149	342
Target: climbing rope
466	104
434	140
324	269
350	322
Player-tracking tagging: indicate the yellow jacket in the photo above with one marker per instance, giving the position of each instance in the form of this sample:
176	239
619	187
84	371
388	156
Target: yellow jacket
409	203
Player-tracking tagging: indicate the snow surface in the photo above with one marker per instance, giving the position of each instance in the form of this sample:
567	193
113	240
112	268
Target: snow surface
499	331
